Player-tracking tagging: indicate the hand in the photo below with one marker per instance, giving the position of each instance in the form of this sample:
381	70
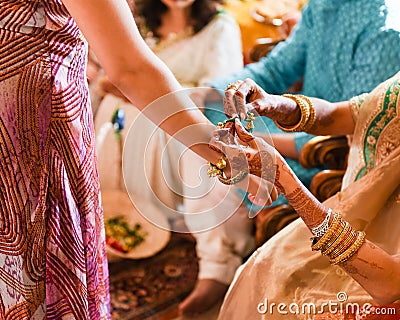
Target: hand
246	153
246	96
289	20
260	191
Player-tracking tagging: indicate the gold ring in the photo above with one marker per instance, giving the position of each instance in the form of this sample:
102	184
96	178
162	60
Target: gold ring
231	86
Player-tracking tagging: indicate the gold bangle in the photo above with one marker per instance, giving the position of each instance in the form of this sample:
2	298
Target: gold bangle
332	245
304	111
229	181
312	117
344	246
318	244
351	250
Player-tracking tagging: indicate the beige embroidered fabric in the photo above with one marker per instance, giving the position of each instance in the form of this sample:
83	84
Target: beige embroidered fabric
285	270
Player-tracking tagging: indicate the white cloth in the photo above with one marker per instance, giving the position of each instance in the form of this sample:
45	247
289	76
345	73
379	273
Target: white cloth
222	247
213	52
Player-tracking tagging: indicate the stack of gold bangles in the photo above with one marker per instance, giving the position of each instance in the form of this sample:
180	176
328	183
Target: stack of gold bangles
340	241
307	111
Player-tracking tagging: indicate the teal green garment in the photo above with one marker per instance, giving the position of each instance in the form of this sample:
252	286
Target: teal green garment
340	48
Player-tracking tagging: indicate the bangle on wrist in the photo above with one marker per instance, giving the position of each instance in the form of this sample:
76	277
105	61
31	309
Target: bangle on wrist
320	230
340	241
307	114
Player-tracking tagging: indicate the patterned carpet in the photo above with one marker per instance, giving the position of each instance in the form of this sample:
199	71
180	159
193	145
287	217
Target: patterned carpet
152	288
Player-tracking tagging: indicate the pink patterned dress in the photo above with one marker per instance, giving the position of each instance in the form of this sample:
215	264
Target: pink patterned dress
53	263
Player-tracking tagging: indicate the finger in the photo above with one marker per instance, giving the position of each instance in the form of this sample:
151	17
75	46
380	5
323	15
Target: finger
244	94
262	202
240	104
244	135
229	100
265	193
274	194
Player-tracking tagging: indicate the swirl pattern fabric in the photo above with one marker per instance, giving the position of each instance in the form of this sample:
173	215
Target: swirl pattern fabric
53	263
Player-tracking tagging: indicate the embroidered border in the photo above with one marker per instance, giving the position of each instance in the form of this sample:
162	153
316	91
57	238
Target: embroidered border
387	114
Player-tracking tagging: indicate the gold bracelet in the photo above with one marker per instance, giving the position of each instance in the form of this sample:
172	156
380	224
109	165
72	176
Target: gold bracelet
318	244
304	111
332	245
312	117
344	246
351	250
229	181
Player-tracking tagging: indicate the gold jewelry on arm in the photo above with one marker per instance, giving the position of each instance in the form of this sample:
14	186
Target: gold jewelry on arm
340	241
351	250
221	164
320	243
320	230
313	115
307	111
343	234
304	114
235	179
215	170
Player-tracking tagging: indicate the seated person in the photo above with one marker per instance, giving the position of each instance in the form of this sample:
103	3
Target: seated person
340	49
327	74
358	237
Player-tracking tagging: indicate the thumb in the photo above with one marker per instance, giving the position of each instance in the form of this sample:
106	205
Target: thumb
244	135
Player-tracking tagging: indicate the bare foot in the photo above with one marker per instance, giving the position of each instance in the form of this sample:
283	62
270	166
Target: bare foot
206	294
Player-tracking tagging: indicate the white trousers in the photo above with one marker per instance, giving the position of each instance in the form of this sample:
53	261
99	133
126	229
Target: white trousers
159	172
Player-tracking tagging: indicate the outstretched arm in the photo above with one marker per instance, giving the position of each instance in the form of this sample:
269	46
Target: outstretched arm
141	76
137	72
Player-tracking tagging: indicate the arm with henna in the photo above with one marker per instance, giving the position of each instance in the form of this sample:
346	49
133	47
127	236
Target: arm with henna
373	268
246	96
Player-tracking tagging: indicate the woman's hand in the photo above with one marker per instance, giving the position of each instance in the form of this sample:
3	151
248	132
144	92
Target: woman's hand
246	153
246	96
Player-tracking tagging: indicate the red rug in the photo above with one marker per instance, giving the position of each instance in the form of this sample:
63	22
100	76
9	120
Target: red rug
152	288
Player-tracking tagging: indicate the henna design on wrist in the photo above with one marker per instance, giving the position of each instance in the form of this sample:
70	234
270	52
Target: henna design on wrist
263	165
239	162
309	211
351	269
278	185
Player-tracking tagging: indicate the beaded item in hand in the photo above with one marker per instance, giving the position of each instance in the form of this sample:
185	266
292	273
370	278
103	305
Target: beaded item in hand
216	170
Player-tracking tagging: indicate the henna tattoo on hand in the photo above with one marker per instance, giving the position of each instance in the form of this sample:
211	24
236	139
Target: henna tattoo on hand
229	107
352	270
263	165
239	162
